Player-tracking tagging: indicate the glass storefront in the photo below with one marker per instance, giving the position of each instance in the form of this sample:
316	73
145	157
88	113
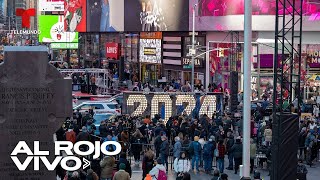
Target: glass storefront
150	73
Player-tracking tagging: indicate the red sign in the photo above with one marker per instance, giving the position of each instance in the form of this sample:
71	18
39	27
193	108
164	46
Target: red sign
112	50
25	15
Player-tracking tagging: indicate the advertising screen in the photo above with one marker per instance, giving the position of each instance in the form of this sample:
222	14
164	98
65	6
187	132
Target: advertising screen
51	5
75	15
51	28
228	14
156	15
150	50
105	16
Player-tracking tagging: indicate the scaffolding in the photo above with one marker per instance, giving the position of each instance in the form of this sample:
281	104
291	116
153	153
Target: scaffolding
96	72
287	58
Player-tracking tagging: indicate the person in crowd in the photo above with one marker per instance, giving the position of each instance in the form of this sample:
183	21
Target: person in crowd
158	171
310	144
256	175
220	158
224	176
253	152
123	160
157	144
103	129
302	170
107	164
121	174
177	147
302	139
195	153
216	175
91	175
164	151
237	152
83	136
268	135
229	144
208	150
181	165
136	145
71	135
147	163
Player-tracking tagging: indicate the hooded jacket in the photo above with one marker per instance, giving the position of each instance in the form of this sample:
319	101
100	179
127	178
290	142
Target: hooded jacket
181	165
107	165
237	150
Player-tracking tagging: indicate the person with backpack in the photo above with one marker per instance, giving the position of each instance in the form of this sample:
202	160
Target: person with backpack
208	150
195	153
220	156
159	171
71	135
181	165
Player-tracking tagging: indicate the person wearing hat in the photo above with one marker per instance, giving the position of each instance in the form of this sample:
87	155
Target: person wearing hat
121	174
157	169
195	153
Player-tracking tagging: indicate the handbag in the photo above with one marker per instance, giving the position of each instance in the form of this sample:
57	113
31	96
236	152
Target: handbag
216	153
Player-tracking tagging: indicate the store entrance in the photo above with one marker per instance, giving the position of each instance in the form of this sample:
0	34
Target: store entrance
150	73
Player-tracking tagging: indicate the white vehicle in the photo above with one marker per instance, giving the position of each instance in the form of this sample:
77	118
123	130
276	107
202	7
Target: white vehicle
99	107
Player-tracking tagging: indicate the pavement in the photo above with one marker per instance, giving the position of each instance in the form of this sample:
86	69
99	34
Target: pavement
313	173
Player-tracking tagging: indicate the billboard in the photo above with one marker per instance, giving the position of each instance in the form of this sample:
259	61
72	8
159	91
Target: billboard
51	5
51	28
171	104
105	16
75	17
228	15
64	45
150	51
112	50
156	15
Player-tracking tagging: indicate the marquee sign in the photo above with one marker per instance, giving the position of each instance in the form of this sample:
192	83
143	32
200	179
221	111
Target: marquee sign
170	104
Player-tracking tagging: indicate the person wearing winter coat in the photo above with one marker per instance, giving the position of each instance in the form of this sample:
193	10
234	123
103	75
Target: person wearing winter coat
107	164
156	169
147	163
229	144
220	158
268	135
253	152
177	147
208	150
91	175
123	159
121	174
164	151
181	165
302	139
237	152
195	153
136	145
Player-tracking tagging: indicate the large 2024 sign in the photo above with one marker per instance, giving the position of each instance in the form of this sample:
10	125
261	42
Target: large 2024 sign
137	104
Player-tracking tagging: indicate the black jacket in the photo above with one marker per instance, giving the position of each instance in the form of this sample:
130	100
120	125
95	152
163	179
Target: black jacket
237	150
157	143
230	143
164	148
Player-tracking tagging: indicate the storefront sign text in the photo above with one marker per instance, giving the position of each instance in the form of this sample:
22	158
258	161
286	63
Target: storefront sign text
112	50
186	62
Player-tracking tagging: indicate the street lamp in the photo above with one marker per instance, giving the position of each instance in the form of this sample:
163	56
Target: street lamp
193	51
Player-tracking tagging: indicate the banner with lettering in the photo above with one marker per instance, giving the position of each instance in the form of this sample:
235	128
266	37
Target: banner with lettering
112	50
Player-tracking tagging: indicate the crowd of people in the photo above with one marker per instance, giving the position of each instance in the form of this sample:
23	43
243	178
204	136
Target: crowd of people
186	144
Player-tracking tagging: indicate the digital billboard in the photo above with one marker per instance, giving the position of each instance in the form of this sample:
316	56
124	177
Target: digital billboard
150	51
51	5
105	16
228	14
75	17
156	15
51	30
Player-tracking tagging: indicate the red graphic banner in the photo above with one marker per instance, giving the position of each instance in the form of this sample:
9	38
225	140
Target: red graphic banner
25	14
112	50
